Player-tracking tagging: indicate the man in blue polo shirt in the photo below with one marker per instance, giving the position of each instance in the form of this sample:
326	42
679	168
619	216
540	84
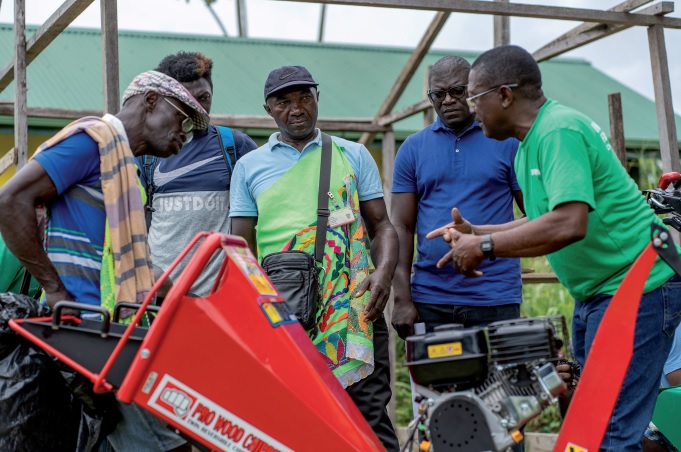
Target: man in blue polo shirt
452	163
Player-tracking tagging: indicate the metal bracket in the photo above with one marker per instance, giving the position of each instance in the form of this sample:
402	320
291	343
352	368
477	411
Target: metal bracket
665	247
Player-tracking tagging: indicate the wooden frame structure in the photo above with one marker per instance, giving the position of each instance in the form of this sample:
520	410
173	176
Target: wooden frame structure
596	24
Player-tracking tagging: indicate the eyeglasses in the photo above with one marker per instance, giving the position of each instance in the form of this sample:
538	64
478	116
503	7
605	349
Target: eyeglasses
470	102
187	123
455	92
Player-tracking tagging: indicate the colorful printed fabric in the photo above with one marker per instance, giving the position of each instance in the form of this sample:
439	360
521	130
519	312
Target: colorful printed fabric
125	259
288	221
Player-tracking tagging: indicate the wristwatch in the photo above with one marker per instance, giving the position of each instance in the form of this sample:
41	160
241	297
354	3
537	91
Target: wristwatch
487	247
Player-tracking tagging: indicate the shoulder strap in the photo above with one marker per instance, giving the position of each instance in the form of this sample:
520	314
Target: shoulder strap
323	198
148	163
226	139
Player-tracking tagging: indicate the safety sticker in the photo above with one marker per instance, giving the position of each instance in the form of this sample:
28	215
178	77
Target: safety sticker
443	350
277	313
574	448
248	265
192	412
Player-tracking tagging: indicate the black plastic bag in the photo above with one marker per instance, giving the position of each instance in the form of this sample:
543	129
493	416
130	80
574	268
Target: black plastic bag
44	405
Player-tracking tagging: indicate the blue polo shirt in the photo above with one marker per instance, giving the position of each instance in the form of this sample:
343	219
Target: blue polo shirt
258	170
475	174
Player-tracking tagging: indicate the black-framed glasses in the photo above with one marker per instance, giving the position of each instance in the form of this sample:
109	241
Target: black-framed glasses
470	102
455	92
187	122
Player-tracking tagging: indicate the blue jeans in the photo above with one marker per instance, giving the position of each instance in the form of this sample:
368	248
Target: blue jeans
658	316
141	431
469	316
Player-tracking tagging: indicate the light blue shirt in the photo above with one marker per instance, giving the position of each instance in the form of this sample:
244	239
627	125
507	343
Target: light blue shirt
674	359
258	170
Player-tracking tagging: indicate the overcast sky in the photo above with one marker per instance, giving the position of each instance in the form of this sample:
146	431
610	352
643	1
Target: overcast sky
624	56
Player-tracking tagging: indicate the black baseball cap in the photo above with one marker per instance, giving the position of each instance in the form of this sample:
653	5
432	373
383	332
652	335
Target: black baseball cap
287	76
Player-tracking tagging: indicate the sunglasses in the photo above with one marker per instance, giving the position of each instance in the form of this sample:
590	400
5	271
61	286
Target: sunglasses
455	92
187	123
470	100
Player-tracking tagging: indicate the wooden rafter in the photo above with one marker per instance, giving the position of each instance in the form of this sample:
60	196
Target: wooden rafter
408	71
404	113
56	23
514	9
238	121
589	32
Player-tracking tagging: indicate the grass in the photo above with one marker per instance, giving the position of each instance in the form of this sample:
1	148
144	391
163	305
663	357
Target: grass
538	300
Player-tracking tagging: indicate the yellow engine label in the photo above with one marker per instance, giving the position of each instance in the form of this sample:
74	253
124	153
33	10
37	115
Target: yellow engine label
574	448
444	350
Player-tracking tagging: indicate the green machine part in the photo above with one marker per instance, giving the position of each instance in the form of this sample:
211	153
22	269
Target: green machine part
667	414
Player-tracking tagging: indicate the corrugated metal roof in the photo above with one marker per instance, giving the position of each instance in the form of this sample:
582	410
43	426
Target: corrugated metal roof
354	80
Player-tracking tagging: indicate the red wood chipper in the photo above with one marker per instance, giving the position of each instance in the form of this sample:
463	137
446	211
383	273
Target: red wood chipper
233	370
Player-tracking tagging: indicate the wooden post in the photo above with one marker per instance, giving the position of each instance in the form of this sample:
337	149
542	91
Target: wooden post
617	127
20	117
241	18
109	11
387	165
322	19
428	115
669	147
502	29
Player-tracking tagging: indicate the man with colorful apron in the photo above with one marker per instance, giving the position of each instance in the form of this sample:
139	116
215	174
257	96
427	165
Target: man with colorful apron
273	205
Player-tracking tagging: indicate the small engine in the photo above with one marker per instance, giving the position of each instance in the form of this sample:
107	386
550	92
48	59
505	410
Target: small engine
478	386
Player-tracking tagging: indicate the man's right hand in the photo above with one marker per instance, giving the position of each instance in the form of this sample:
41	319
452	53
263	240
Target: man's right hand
403	318
52	298
458	222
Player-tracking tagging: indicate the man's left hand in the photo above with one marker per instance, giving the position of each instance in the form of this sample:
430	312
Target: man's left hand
378	285
465	254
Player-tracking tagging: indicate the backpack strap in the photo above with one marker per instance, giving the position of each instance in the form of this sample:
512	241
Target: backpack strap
148	164
226	139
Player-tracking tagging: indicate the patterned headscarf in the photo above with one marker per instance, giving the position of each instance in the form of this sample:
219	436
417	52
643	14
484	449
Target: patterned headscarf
167	86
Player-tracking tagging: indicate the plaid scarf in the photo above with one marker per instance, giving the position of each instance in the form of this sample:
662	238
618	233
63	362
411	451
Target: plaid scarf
126	234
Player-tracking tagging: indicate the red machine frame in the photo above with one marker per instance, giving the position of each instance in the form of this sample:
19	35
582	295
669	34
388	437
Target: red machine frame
233	370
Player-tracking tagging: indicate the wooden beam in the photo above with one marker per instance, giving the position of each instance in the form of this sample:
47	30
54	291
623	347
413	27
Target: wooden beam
539	278
502	29
20	118
669	146
588	32
7	161
428	114
617	127
242	18
238	121
110	72
514	9
408	70
387	164
403	113
322	19
56	23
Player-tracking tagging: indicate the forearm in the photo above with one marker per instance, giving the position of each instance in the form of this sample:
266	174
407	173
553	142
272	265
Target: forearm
384	248
545	235
493	228
20	232
402	276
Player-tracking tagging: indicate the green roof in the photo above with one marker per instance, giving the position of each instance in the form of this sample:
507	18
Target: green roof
353	80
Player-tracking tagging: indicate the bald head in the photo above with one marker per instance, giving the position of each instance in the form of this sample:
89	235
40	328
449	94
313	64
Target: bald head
509	64
449	65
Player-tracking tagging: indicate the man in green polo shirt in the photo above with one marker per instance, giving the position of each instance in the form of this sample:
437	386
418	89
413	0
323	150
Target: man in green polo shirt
584	212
